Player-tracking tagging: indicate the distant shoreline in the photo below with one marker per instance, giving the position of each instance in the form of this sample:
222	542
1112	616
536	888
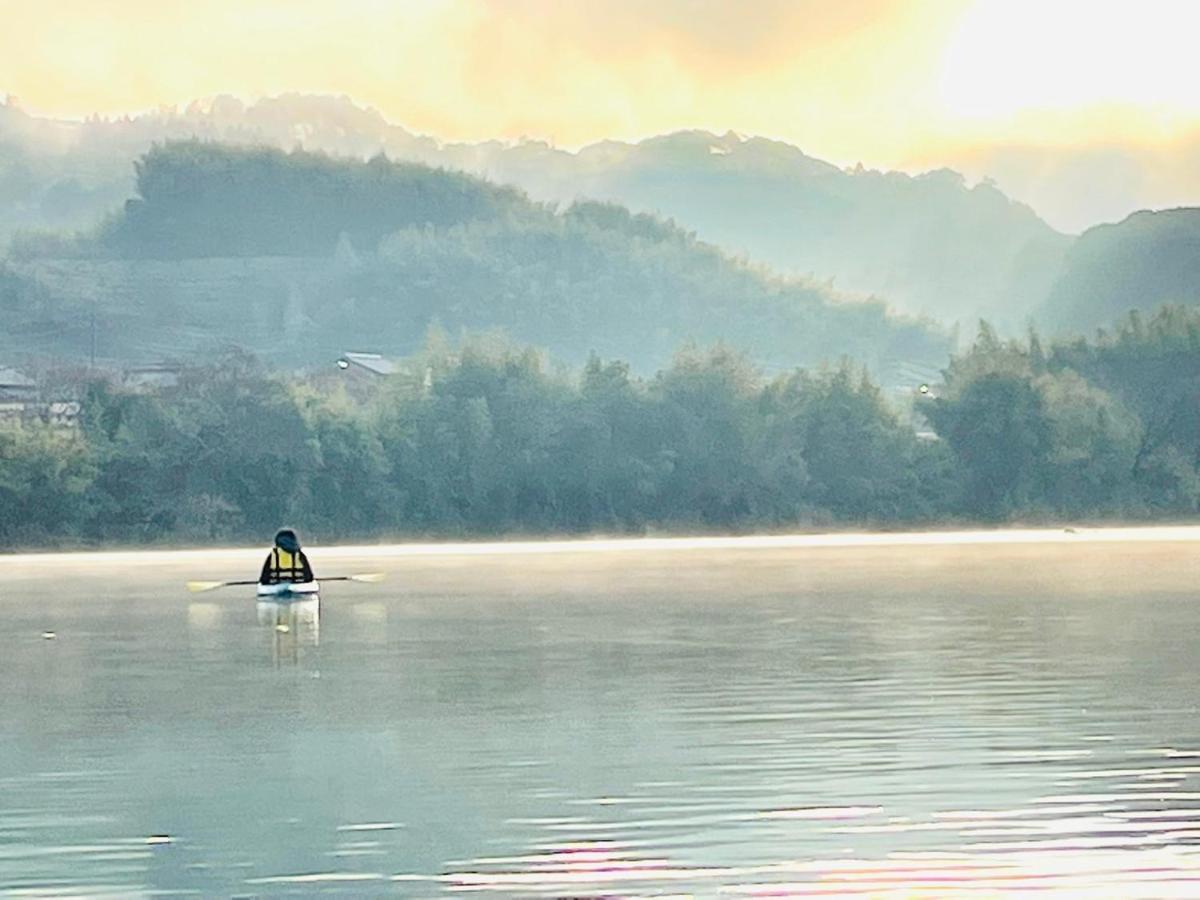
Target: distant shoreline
589	545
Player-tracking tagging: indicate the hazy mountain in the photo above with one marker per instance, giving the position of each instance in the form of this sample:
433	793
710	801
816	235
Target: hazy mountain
1147	260
1077	186
929	243
299	256
49	179
71	174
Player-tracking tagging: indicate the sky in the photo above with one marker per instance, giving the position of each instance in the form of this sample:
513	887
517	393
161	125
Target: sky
1016	87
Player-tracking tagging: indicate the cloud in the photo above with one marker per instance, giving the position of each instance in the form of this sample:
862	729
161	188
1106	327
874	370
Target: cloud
1008	57
709	35
576	69
823	73
1040	94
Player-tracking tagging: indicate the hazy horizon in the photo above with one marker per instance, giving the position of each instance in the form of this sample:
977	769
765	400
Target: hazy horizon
1043	98
1068	185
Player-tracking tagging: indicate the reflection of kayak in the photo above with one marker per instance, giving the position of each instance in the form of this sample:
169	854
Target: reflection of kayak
297	614
286	590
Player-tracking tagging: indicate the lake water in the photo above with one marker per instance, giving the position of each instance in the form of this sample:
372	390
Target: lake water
891	715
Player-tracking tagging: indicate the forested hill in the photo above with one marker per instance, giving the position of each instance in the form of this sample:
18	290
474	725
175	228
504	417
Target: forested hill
201	200
928	243
298	256
1148	259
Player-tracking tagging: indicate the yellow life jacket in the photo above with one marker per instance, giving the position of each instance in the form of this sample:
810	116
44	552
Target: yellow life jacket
286	566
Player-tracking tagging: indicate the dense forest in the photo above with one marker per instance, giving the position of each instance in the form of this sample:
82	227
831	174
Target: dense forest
298	256
198	199
488	438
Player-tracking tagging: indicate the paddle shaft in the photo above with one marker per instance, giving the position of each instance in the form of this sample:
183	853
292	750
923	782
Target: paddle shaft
368	577
334	578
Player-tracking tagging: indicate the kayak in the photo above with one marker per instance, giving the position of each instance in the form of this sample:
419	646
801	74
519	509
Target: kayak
289	590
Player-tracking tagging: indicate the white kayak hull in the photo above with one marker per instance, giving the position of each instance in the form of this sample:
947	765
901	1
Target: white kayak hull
285	590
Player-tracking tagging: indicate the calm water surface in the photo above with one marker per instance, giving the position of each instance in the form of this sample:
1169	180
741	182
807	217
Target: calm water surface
907	716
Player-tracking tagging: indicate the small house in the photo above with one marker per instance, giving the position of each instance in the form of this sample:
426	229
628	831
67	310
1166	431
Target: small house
15	387
371	365
152	376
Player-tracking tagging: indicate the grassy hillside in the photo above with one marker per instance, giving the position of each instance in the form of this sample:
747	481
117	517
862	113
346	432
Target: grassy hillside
1145	261
299	257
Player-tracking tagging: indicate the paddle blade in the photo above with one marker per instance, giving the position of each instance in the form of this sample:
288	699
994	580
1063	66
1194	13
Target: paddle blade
198	586
368	577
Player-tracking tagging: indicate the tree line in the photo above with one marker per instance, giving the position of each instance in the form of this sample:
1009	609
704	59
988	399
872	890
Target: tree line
489	439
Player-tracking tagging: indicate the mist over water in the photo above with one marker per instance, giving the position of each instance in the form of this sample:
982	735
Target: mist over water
997	712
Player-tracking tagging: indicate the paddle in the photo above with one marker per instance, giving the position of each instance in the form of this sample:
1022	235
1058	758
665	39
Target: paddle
198	586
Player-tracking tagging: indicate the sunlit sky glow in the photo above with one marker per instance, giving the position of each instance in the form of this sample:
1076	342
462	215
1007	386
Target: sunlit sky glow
1008	57
889	82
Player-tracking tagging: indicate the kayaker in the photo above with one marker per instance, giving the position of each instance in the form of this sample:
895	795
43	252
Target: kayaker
286	561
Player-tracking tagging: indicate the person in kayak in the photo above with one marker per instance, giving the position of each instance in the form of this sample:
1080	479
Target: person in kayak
286	561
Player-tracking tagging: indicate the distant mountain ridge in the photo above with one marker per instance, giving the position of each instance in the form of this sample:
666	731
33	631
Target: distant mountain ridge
299	256
927	244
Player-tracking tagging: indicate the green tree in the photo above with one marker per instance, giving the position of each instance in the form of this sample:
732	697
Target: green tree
347	490
997	427
1094	441
706	404
850	455
46	474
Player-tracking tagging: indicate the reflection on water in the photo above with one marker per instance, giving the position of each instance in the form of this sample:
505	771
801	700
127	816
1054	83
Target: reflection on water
883	718
294	627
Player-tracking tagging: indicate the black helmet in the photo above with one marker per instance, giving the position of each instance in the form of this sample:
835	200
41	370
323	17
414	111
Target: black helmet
285	539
